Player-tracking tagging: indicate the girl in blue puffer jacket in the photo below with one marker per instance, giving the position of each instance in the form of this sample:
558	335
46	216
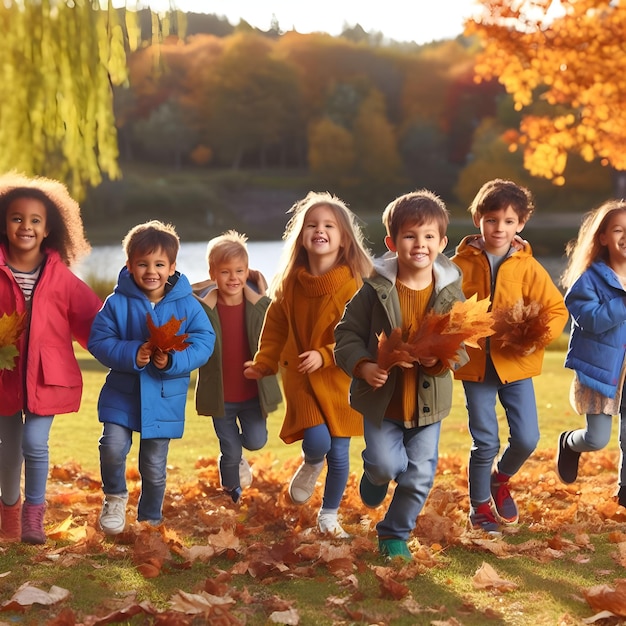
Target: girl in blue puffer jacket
595	279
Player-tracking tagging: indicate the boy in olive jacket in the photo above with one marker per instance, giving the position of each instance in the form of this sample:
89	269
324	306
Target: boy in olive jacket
239	406
403	407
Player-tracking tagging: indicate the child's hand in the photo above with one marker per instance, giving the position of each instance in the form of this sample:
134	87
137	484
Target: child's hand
143	354
311	360
160	359
251	371
372	374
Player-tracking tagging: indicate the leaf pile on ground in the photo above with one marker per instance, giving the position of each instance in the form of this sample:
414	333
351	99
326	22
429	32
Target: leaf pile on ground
266	539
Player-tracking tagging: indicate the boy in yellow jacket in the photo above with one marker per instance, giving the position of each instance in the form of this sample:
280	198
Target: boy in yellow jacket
497	264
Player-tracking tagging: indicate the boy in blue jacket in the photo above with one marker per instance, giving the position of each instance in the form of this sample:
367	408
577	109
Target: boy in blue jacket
146	388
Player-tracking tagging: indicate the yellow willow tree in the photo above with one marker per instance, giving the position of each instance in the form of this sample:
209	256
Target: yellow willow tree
58	61
563	63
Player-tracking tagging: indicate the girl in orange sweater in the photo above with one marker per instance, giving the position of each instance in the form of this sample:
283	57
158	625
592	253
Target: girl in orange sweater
323	263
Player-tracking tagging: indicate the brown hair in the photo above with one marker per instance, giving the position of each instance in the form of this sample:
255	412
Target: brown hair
416	207
499	194
150	237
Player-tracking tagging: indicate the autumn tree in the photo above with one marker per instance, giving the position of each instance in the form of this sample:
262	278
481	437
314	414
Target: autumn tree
331	153
571	62
57	63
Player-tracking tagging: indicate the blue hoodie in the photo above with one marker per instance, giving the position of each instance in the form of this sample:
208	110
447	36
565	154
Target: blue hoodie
148	400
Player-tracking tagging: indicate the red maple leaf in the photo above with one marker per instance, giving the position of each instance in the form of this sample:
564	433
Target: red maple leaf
164	337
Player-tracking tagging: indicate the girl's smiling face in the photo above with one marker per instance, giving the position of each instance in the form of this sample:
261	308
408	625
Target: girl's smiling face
614	238
321	233
26	225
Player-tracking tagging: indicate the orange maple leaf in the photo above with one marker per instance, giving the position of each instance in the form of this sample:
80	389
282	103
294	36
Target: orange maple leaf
393	351
524	327
434	338
473	319
164	337
11	327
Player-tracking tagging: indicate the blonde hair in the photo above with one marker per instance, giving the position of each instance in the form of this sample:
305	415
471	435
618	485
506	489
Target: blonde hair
586	248
226	247
63	220
353	252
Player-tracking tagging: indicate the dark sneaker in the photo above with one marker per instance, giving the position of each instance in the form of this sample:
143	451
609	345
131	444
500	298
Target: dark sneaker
482	518
566	460
234	493
503	500
393	548
372	495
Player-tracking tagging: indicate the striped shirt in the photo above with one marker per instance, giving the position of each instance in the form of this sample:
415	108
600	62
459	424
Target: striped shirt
26	280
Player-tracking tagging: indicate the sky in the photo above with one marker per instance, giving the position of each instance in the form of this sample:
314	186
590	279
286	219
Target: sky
421	21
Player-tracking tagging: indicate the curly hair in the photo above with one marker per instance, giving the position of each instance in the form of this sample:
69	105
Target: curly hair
63	220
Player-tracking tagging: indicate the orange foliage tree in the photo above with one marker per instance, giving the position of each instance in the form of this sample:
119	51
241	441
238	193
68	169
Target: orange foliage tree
562	63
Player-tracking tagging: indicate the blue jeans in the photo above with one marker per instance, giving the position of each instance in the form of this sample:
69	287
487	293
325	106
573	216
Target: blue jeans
115	444
318	445
408	456
242	426
597	435
11	427
518	401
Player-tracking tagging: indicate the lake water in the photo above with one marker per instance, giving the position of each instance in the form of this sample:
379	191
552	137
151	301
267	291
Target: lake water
105	262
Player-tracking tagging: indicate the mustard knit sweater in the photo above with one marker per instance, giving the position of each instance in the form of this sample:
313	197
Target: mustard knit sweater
303	317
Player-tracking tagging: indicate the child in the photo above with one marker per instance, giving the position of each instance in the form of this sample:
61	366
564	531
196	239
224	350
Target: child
239	406
41	235
498	265
595	278
146	389
323	262
402	408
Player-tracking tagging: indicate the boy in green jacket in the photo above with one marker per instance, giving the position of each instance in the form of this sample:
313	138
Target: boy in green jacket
239	406
402	407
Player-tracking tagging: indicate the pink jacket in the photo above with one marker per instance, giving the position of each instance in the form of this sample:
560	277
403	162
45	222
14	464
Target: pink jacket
63	307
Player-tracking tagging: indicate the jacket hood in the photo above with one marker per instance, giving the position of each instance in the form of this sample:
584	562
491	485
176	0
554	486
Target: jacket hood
444	270
177	286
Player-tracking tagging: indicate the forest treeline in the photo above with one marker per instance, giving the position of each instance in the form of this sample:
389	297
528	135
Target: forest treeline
364	117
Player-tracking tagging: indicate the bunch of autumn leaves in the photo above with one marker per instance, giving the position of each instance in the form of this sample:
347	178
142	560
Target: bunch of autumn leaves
12	325
522	328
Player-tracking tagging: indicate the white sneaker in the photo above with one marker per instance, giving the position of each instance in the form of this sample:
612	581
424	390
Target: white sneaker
328	524
302	484
113	514
245	473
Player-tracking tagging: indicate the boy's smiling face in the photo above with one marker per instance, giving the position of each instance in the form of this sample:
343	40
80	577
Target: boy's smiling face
230	278
498	229
417	247
151	272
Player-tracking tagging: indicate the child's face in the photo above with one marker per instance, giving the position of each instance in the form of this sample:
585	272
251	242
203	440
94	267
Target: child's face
498	229
417	247
321	233
614	238
230	278
26	225
151	272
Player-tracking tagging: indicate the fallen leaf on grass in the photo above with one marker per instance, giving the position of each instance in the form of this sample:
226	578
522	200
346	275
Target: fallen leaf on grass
290	617
28	595
486	577
606	598
193	603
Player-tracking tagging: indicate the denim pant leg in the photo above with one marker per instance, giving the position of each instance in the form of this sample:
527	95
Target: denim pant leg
338	459
316	443
595	436
622	447
11	458
114	446
153	470
419	450
518	400
36	456
480	399
242	426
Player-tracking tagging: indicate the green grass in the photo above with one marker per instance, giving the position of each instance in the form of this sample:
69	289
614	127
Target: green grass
104	578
